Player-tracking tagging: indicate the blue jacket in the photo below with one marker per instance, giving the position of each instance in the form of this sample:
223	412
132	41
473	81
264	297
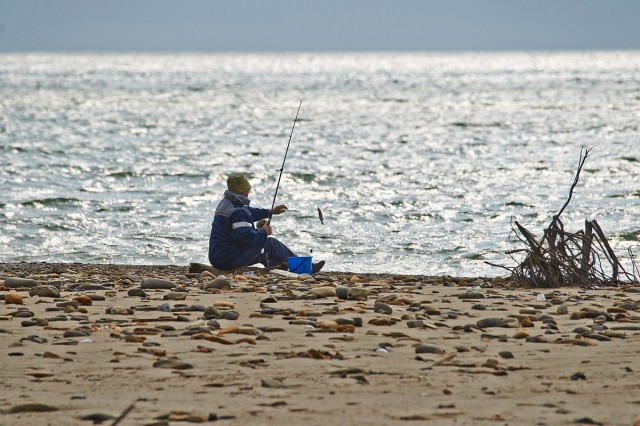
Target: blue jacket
233	233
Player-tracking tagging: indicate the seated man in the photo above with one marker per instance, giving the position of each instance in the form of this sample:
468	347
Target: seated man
235	241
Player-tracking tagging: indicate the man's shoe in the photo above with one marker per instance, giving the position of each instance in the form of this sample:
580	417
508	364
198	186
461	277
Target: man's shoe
315	268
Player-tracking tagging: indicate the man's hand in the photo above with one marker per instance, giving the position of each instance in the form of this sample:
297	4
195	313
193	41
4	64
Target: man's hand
279	209
267	229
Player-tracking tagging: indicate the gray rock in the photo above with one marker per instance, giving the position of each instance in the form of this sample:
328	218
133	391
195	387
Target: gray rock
356	293
229	315
45	291
213	323
211	313
342	292
76	333
16	282
89	287
472	294
428	349
345	321
137	292
629	306
164	307
157	284
172	364
219	283
66	303
431	311
174	295
596	336
382	308
490	322
415	324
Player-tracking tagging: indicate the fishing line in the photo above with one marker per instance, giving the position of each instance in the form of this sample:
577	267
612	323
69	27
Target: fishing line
275	195
282	168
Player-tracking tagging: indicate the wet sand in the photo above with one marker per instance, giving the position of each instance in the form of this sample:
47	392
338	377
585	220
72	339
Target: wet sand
343	348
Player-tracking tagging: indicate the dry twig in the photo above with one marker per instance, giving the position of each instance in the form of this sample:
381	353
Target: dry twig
562	258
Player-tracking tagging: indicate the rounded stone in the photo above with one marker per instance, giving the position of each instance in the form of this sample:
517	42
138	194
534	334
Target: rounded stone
175	296
136	292
382	308
229	315
356	293
324	291
345	321
219	283
16	282
428	349
157	284
76	333
13	299
489	322
342	292
415	324
45	291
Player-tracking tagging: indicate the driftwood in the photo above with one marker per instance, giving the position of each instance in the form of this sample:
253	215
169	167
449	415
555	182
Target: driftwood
560	258
196	268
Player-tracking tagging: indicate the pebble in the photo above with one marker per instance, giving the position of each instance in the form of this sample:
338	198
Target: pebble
472	294
13	299
229	315
45	291
324	291
119	310
175	296
382	308
428	349
219	283
136	292
342	292
157	284
356	293
490	322
173	364
17	282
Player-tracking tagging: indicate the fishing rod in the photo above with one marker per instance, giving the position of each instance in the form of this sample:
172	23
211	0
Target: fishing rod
282	168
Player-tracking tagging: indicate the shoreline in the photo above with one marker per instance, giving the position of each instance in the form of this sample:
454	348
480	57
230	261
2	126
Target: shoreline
91	341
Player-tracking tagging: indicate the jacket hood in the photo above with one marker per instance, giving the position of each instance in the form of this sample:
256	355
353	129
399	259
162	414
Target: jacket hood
237	198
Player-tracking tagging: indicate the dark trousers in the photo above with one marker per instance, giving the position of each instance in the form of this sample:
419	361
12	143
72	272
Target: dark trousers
275	253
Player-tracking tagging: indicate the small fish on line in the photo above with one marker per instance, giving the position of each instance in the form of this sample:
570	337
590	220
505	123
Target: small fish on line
320	216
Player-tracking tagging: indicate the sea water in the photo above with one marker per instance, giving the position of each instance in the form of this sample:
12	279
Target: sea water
419	162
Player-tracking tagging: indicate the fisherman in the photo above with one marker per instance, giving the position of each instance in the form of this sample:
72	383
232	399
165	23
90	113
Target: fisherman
235	241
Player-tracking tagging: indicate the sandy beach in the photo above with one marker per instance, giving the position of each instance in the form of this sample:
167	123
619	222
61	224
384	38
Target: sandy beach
160	345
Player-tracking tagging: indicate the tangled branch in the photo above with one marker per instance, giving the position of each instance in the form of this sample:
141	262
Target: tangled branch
560	258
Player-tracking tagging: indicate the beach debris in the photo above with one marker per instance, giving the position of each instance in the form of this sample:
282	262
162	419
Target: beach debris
561	258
